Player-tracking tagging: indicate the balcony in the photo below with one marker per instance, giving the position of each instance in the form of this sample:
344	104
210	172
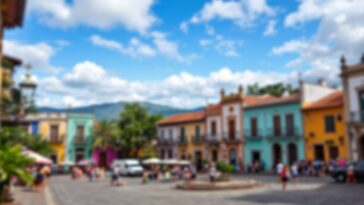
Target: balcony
212	139
357	116
198	139
234	137
80	140
182	140
256	135
56	139
167	142
284	132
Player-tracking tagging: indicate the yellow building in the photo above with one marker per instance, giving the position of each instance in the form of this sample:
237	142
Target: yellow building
325	128
53	127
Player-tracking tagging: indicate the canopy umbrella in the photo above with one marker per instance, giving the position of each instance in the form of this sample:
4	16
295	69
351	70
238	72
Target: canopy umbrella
170	162
67	163
152	161
39	159
184	162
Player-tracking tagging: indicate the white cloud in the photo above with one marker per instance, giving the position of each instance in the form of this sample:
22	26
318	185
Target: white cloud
270	30
89	83
340	31
134	49
161	45
227	47
38	55
242	13
133	15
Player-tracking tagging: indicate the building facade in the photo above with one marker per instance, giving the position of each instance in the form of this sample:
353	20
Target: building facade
79	137
273	131
353	89
325	128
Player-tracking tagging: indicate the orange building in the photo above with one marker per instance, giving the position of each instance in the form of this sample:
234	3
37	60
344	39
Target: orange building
325	128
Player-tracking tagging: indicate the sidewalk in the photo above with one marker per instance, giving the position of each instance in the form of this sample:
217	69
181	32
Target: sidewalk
25	197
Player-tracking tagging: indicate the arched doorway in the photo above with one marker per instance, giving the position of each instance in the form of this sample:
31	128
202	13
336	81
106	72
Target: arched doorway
103	159
292	153
277	154
232	157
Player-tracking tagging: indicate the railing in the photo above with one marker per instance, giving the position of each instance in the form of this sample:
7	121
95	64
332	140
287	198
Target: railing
163	141
232	137
58	139
253	135
357	116
283	132
182	140
212	138
80	140
198	139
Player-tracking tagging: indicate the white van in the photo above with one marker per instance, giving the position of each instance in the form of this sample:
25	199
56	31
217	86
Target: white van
129	167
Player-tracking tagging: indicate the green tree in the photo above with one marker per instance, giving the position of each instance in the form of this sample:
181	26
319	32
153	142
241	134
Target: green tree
138	128
12	163
276	90
106	135
17	136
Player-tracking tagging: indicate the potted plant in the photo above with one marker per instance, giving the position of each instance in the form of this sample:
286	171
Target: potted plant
226	169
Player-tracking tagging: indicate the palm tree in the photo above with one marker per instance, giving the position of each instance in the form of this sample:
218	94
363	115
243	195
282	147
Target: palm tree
12	163
105	135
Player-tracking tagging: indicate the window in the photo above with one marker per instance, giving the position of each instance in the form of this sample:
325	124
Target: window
197	131
334	152
319	152
80	131
54	132
330	123
277	125
231	129
183	137
254	127
213	128
170	133
289	124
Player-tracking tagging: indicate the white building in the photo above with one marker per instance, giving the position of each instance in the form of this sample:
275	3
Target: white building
353	85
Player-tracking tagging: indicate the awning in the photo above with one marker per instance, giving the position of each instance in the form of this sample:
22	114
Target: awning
39	159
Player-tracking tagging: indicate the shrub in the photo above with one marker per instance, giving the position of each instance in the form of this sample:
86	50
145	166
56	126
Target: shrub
224	167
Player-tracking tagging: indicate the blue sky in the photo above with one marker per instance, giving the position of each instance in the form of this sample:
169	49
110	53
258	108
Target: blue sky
180	54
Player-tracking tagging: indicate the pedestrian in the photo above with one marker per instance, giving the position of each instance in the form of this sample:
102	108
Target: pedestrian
115	172
279	167
89	173
350	174
187	175
284	176
294	172
212	172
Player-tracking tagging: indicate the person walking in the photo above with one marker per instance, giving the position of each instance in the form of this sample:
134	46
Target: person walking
212	172
350	174
294	172
279	167
284	176
115	176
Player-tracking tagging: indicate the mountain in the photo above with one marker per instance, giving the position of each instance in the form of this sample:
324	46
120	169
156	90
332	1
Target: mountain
111	111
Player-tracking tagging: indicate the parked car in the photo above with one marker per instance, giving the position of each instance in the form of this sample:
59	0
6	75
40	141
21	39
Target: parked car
130	167
339	174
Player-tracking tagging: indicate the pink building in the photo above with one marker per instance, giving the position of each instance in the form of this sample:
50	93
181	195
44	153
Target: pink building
104	157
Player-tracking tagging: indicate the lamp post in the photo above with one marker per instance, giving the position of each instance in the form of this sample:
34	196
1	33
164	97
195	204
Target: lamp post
27	89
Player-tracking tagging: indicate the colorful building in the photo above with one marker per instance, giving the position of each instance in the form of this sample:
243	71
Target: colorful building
79	137
325	128
273	131
353	90
52	127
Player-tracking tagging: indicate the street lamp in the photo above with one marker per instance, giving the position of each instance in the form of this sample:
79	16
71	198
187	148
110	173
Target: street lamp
27	89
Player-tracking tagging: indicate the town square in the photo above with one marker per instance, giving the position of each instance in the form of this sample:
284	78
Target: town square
169	102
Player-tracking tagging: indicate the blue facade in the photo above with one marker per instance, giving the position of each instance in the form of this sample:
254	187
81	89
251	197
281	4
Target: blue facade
273	133
34	128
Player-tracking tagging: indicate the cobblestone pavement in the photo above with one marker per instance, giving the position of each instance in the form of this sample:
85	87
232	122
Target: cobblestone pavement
310	191
25	197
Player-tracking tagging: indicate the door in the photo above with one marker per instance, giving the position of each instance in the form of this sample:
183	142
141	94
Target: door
214	155
231	129
292	153
277	125
319	152
277	154
80	154
198	160
232	156
334	152
361	148
54	158
290	125
103	159
255	157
